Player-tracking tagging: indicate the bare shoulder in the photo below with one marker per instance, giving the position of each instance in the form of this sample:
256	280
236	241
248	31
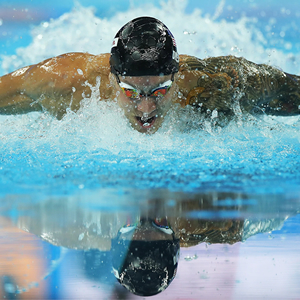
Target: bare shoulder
190	63
190	70
209	82
61	74
88	62
211	64
55	83
76	64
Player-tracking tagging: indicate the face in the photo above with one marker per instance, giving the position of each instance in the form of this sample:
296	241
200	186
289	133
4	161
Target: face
146	111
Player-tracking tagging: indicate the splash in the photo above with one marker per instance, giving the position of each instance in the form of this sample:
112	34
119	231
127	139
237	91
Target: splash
96	147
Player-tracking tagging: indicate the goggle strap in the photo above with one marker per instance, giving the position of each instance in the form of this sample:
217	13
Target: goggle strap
127	86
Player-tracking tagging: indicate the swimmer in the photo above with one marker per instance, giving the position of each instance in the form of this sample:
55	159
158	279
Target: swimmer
146	76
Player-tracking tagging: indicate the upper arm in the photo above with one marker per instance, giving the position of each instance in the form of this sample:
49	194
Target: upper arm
55	76
12	97
54	84
22	88
220	82
268	89
210	84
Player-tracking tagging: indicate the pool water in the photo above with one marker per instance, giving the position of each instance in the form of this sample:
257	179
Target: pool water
90	171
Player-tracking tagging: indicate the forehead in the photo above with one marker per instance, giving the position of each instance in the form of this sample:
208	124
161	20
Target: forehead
145	81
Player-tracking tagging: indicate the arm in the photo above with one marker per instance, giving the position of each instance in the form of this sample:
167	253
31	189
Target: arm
272	91
54	85
209	84
13	99
212	232
222	82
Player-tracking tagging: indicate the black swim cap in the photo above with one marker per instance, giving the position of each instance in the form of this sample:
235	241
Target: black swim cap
144	46
145	268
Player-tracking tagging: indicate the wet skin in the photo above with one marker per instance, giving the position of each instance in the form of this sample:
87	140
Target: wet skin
60	83
145	113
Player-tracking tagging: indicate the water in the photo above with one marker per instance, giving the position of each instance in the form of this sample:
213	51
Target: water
90	171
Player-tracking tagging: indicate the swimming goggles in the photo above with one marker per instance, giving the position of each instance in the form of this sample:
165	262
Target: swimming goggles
159	223
133	93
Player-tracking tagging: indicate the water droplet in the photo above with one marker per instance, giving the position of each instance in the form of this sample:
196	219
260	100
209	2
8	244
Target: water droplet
81	236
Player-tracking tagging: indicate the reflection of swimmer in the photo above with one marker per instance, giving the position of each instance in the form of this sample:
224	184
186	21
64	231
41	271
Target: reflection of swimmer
147	76
194	219
206	218
149	247
145	256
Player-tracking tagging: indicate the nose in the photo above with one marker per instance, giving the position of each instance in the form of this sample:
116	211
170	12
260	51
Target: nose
146	105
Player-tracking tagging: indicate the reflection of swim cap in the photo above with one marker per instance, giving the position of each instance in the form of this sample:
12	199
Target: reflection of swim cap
144	46
145	268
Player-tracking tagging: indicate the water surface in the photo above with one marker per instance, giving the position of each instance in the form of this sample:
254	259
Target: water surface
90	171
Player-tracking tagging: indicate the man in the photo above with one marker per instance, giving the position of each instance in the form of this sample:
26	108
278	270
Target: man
146	76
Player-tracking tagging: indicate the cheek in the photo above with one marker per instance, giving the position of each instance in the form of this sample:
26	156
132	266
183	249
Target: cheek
166	102
124	102
170	97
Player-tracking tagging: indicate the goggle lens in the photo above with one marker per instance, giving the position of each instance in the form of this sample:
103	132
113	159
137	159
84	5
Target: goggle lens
160	92
161	222
133	93
130	93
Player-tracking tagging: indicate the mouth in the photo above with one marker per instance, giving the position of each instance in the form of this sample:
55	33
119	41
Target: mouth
146	122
